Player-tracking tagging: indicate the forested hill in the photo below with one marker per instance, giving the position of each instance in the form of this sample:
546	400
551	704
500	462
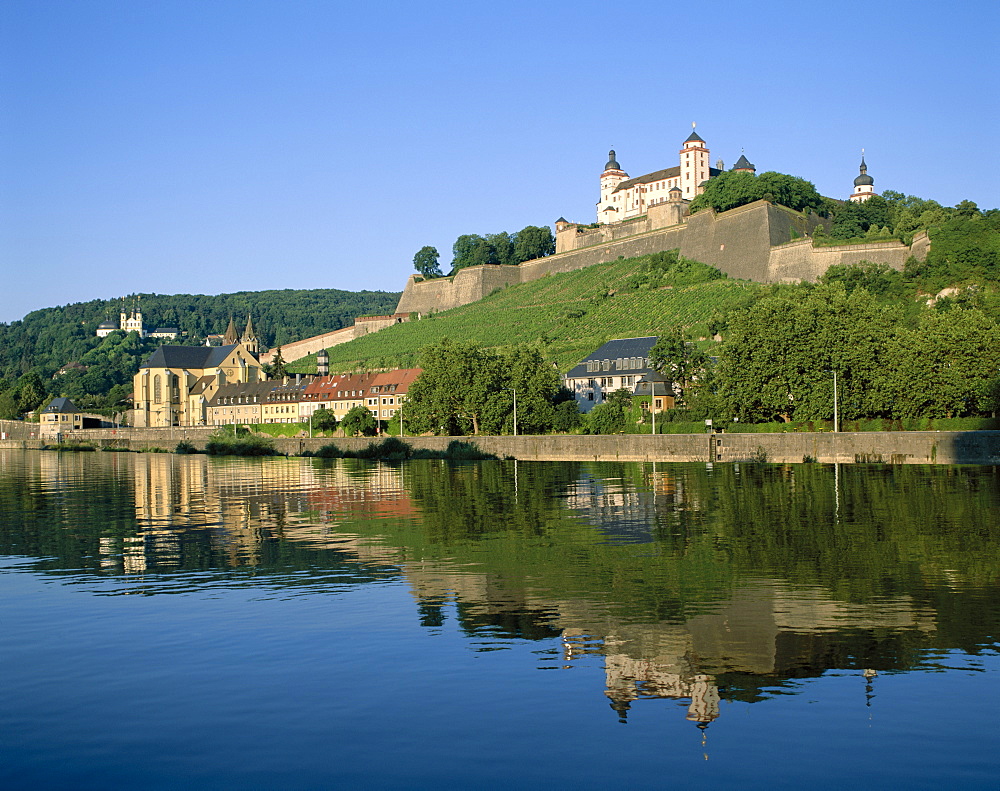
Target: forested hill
47	339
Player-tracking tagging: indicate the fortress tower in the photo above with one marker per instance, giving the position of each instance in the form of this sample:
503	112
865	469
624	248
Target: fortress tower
694	165
612	176
864	184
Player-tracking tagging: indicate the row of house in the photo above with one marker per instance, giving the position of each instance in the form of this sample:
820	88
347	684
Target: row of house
295	400
211	386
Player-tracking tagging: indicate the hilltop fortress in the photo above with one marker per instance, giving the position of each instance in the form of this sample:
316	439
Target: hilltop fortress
649	214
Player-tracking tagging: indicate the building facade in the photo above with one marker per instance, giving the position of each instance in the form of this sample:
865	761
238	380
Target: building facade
623	197
616	364
174	386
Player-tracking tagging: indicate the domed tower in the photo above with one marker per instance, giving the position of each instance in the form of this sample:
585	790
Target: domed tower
694	165
864	184
612	176
744	165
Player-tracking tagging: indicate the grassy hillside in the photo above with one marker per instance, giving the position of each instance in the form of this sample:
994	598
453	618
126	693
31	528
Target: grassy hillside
569	315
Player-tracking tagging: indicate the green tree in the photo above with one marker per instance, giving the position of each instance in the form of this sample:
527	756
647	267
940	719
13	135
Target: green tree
731	189
324	420
426	262
679	360
611	416
500	248
469	250
277	369
359	420
31	392
532	242
947	366
779	355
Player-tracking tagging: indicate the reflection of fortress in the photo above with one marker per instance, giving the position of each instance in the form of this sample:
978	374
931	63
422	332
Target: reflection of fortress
762	632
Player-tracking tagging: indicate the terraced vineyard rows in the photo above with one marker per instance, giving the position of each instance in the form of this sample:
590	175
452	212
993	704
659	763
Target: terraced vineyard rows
569	315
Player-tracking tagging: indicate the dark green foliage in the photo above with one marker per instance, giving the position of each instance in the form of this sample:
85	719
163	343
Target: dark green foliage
359	420
426	262
502	248
731	189
610	417
679	360
668	268
466	389
395	449
225	445
879	279
184	447
324	420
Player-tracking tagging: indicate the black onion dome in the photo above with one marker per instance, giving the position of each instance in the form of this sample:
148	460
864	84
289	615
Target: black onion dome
612	162
864	179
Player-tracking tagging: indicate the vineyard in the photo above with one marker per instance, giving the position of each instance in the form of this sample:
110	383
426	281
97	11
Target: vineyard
568	315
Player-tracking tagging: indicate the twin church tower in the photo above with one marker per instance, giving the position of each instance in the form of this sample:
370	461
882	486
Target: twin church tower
623	197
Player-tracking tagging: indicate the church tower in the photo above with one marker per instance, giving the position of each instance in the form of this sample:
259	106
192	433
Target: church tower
612	176
249	339
864	184
694	165
230	338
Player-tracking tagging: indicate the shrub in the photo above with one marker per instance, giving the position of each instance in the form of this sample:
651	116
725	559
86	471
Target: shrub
245	446
184	447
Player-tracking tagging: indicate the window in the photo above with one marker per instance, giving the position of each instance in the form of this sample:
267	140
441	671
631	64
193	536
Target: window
157	390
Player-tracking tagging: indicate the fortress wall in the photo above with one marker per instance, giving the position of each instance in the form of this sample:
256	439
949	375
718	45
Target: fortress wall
801	261
737	241
750	242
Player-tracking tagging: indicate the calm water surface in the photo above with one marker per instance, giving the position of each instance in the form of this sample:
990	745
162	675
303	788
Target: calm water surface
179	621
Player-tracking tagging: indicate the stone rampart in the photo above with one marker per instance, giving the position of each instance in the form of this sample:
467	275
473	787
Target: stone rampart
890	447
752	242
362	326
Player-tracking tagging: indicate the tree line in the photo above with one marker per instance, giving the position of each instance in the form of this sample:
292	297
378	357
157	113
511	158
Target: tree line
529	243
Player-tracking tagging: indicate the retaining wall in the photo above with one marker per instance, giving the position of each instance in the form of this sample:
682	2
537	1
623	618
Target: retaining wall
893	447
751	242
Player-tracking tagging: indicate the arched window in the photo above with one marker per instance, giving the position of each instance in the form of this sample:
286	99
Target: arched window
157	390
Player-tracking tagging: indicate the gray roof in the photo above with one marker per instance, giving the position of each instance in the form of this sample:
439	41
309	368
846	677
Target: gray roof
612	350
61	404
743	164
864	178
108	325
245	390
659	175
694	137
187	357
167	329
660	385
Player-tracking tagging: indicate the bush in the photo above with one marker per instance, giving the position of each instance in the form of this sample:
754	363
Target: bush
185	447
245	446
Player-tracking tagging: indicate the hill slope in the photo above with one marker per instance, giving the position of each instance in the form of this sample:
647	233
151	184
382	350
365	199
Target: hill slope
568	314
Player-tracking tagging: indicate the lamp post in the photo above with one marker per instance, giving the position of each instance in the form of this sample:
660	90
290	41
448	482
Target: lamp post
514	391
836	417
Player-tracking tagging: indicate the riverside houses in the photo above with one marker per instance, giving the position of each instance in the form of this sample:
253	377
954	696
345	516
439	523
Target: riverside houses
383	393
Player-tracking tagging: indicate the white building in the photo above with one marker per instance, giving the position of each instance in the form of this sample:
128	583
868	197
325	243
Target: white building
623	197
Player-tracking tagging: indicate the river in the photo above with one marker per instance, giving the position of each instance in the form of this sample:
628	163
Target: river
185	621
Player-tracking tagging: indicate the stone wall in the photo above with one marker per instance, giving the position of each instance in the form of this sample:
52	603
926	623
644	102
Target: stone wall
752	242
362	326
892	447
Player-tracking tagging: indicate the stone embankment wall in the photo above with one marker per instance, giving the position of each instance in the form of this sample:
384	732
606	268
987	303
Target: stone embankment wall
750	242
893	447
362	326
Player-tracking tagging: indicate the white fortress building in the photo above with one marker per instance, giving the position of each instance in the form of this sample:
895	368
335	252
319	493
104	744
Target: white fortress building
623	197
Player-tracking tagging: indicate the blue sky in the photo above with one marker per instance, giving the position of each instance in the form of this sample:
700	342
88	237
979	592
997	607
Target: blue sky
210	146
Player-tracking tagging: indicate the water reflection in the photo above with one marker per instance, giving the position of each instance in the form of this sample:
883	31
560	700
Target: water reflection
687	583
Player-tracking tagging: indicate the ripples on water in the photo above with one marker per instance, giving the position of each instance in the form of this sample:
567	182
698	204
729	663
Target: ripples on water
400	613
